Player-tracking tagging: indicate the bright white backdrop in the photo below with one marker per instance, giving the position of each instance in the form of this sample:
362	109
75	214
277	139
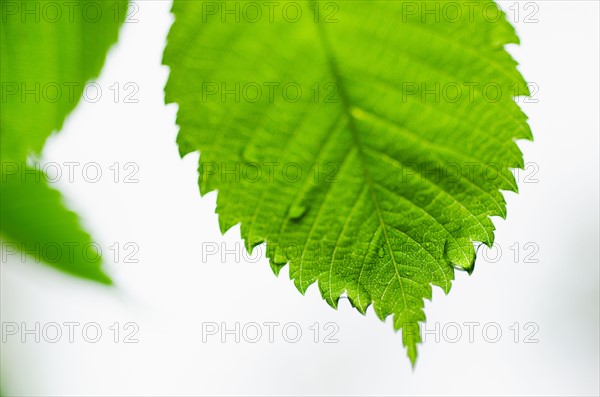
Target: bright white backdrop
171	292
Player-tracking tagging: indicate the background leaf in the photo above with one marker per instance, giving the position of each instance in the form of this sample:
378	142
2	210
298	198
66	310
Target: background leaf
49	51
40	225
336	139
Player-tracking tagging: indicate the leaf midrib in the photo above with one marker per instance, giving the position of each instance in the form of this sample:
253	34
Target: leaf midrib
359	146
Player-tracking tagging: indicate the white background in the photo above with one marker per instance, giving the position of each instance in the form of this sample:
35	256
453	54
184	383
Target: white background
170	292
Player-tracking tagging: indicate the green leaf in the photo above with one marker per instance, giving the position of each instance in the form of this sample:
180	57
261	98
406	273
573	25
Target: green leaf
375	181
35	222
49	51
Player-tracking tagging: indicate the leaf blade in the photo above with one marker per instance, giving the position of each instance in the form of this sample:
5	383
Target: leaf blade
49	51
36	222
393	223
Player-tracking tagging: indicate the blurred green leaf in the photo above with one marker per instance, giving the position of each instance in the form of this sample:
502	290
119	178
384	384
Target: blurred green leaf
35	222
49	51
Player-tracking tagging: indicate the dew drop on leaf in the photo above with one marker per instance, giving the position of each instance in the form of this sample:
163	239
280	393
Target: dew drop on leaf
297	211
